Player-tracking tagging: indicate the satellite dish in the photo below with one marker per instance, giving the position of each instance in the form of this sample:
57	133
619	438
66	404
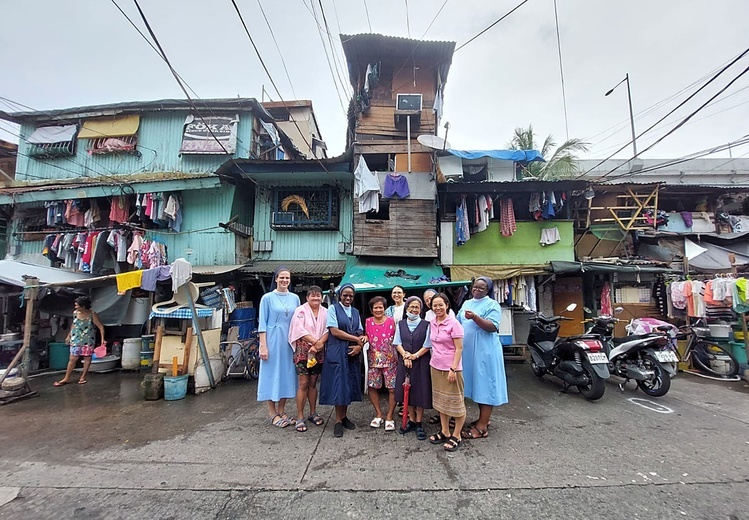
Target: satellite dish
433	141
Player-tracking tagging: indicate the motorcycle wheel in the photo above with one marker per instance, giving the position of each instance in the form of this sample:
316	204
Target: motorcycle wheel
537	371
596	388
661	382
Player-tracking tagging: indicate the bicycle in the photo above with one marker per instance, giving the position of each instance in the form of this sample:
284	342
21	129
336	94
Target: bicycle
706	356
244	360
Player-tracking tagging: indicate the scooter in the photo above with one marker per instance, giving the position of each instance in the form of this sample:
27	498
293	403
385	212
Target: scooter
645	359
579	361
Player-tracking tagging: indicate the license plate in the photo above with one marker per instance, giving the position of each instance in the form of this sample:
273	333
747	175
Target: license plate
666	356
597	357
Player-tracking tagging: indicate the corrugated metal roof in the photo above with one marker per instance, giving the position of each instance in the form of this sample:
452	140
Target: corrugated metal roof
370	44
297	267
214	269
137	107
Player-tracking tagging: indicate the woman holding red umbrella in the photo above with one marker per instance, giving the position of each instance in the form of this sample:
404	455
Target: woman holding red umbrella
412	343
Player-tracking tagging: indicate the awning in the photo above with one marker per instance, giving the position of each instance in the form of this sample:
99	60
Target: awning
603	267
144	183
109	127
507	155
12	272
297	267
214	269
496	272
369	276
711	258
52	134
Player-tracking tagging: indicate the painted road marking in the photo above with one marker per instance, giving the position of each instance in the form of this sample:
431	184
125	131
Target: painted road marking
650	405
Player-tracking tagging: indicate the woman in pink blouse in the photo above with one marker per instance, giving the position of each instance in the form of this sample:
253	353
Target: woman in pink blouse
380	330
446	336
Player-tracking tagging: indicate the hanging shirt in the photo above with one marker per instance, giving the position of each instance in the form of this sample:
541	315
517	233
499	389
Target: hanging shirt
507	217
462	233
120	210
366	187
181	273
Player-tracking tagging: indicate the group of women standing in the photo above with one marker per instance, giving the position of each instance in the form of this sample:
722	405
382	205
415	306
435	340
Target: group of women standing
446	357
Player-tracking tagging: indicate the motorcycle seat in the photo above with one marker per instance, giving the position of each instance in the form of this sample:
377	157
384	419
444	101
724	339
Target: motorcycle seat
625	339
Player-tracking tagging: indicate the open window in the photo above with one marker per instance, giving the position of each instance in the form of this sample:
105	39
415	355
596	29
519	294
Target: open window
48	142
305	208
107	135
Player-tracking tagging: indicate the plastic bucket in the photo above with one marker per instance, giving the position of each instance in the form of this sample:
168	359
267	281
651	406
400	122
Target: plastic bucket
131	354
739	352
146	359
175	388
244	318
59	354
149	342
153	387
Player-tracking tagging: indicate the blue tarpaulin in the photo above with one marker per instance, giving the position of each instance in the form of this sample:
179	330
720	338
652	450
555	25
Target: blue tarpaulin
525	156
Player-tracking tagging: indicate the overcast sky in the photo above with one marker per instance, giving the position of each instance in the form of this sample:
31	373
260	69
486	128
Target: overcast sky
84	52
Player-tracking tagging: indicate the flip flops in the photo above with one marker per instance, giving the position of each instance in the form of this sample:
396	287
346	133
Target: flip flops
60	383
300	426
376	422
389	426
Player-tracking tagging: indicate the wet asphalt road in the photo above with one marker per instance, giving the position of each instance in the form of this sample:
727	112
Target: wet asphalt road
100	451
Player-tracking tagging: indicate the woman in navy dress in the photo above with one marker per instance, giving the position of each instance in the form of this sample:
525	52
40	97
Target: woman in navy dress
341	382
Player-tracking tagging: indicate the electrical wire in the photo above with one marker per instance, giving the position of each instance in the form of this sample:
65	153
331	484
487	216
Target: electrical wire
521	4
283	62
690	116
328	59
182	86
690	157
713	78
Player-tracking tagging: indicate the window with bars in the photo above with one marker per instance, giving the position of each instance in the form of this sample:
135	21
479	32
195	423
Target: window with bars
105	145
308	208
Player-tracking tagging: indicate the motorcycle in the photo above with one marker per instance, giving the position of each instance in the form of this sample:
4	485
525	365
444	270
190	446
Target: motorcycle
579	361
644	358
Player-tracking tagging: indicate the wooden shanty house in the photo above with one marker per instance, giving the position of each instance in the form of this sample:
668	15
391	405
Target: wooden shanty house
399	88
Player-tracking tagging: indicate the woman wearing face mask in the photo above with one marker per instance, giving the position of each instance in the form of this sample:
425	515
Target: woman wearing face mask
277	379
380	330
341	371
483	362
412	343
397	310
446	337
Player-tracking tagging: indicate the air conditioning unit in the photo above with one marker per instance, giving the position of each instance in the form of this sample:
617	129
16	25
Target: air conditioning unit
283	218
408	103
408	106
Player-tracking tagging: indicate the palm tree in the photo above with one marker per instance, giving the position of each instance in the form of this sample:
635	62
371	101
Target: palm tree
560	164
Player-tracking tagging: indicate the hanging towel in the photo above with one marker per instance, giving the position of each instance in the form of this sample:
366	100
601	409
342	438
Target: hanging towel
129	280
507	216
181	273
550	236
304	323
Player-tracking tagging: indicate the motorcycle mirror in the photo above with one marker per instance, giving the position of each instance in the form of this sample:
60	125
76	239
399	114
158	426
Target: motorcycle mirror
617	310
587	310
527	309
571	307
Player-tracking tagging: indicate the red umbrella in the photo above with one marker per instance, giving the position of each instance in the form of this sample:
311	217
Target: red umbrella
406	391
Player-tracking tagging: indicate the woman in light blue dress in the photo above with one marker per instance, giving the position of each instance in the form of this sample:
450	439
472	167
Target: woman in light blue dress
483	361
277	380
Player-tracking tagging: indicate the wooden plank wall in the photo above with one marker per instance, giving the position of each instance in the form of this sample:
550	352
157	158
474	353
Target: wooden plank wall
380	120
411	231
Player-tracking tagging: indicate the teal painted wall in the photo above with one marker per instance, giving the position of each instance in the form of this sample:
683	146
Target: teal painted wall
159	140
303	244
491	248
